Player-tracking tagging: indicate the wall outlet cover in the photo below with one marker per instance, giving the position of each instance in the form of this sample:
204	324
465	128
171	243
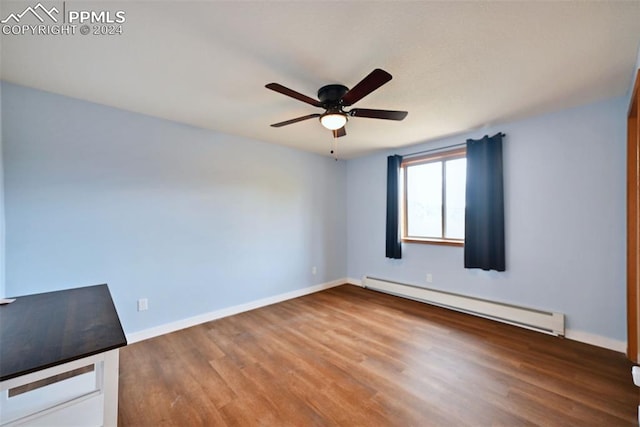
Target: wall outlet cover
635	373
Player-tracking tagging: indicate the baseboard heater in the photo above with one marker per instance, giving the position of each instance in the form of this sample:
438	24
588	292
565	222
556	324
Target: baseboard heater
543	321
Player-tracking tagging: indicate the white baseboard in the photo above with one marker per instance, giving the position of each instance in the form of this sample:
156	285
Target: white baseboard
229	311
585	337
352	281
597	340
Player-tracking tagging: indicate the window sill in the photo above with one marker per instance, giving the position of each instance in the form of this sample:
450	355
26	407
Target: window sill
444	242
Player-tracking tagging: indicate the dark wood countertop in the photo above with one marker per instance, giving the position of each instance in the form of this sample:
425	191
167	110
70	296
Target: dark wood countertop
44	330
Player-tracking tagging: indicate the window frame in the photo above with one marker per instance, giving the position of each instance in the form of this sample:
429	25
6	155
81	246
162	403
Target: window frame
440	156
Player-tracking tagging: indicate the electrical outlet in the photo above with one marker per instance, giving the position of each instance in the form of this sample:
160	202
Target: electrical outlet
314	270
429	278
635	373
143	304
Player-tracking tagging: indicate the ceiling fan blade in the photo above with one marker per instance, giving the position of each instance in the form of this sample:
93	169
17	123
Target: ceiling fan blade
296	120
373	81
293	94
378	114
337	133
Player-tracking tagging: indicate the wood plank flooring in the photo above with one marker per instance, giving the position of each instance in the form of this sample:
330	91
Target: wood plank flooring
353	357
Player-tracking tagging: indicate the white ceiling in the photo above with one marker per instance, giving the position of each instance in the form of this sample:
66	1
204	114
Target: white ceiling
456	66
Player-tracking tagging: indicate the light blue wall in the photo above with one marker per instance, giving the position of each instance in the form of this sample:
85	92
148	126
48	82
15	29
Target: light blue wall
2	245
191	219
635	71
197	221
633	78
565	221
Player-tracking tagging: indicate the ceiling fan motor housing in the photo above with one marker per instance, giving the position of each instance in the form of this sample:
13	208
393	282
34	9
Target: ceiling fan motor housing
330	95
333	98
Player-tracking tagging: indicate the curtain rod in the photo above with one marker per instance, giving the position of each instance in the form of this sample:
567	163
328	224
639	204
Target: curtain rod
418	153
462	144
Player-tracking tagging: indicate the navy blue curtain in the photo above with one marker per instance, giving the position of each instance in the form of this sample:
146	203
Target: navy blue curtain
484	245
394	247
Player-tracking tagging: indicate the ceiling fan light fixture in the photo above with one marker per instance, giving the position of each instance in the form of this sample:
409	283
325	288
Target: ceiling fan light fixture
332	98
333	120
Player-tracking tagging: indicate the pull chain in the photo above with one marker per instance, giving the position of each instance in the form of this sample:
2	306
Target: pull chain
334	148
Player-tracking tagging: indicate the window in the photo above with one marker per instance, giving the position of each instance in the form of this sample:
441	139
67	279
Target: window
434	197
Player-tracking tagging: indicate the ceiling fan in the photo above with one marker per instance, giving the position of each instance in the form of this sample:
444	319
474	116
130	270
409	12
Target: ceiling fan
333	98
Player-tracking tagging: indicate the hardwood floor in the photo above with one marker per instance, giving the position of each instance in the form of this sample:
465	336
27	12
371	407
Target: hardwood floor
353	357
